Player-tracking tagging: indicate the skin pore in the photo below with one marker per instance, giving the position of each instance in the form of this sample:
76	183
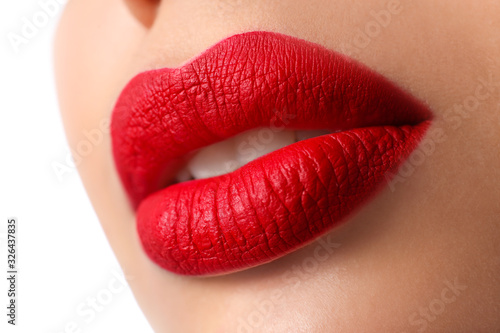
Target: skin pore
423	255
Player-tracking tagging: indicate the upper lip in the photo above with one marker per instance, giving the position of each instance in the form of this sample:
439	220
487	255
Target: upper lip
245	82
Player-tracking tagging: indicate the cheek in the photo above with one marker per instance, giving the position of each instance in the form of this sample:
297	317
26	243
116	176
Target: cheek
91	61
91	57
91	65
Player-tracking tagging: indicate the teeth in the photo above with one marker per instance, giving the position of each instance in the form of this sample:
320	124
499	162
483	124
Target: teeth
229	155
214	160
257	143
304	135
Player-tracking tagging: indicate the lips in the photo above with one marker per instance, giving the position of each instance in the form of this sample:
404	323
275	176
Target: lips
266	84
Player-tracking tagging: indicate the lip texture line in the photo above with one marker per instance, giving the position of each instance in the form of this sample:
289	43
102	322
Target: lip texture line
282	200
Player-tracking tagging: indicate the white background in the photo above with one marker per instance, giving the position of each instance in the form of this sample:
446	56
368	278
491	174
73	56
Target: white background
63	257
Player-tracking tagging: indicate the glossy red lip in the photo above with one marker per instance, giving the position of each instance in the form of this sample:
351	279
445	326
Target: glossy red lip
280	201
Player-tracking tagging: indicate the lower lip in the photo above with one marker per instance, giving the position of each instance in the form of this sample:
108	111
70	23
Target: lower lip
273	205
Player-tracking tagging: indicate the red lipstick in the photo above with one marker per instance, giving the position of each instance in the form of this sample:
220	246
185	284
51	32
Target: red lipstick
278	202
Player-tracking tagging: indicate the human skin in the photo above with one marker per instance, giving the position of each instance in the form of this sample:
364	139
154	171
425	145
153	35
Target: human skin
393	264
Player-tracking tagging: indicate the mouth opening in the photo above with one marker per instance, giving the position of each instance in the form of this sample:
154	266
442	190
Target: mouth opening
229	155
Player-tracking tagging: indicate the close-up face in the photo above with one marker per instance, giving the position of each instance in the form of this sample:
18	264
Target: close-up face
292	166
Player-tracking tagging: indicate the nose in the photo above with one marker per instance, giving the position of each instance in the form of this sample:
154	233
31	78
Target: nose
143	10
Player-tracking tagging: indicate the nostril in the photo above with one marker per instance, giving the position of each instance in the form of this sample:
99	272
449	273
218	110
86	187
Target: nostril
143	10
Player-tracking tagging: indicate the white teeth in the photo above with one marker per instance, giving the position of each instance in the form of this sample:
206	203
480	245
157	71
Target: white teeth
257	143
304	135
229	155
212	160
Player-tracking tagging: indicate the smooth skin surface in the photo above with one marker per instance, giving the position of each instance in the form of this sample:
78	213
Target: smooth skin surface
424	255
